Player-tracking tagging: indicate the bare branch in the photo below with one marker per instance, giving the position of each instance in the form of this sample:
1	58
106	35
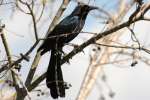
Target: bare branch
34	22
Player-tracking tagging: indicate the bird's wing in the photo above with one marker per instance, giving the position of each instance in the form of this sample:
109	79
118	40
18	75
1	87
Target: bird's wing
67	25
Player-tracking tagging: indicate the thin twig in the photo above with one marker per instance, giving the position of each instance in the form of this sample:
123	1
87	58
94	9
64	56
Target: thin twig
34	22
136	39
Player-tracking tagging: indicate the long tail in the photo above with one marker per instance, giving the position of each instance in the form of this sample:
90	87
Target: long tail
54	77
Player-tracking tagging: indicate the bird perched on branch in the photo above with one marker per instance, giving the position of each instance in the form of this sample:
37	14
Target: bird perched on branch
63	33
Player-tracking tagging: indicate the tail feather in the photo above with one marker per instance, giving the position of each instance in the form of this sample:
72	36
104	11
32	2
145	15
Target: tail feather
54	77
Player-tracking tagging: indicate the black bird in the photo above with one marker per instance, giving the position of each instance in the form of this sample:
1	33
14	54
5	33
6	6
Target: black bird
63	33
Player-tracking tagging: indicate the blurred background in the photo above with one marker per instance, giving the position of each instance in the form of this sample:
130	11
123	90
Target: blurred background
110	69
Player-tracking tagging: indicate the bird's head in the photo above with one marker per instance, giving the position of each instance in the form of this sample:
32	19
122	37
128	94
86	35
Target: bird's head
83	9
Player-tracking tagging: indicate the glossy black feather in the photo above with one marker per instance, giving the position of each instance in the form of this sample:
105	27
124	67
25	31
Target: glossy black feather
63	33
54	79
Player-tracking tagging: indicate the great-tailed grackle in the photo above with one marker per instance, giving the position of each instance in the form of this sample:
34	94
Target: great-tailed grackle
63	33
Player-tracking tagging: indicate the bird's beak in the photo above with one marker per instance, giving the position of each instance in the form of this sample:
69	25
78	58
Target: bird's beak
93	8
